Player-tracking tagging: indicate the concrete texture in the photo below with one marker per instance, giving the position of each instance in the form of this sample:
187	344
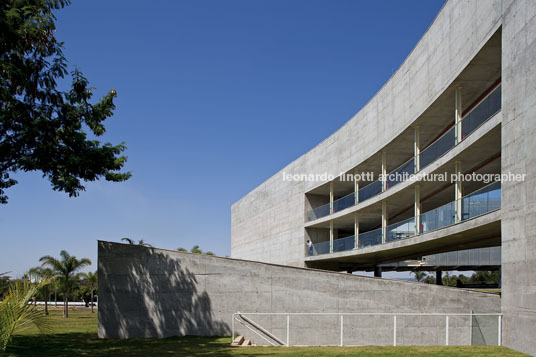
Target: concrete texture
268	223
149	292
459	49
518	156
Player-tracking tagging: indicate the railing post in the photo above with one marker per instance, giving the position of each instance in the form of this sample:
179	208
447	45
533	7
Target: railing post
232	329
458	192
384	221
447	331
331	236
288	330
471	328
417	209
384	171
458	114
356	230
394	331
499	332
342	330
356	187
331	197
417	150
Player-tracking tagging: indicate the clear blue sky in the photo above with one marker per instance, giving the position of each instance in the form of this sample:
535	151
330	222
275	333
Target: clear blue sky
213	99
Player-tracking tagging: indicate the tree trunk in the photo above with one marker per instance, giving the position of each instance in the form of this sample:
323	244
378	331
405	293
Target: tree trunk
92	302
66	306
46	304
55	299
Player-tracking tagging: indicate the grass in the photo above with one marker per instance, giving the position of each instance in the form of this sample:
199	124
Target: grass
77	336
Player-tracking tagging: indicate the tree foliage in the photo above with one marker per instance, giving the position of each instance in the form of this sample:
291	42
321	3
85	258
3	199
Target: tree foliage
66	271
196	250
132	242
43	128
16	311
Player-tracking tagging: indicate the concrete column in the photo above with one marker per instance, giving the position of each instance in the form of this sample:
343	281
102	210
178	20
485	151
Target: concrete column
417	211
356	187
417	149
384	171
384	221
356	230
439	277
378	272
331	197
331	236
458	114
458	192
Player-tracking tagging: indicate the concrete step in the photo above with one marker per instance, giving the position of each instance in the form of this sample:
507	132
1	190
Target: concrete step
246	343
238	341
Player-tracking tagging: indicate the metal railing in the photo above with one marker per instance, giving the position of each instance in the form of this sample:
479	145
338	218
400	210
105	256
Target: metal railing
344	202
482	201
453	333
401	230
484	110
343	244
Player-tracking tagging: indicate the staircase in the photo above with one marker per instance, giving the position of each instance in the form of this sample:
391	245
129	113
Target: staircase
257	330
240	341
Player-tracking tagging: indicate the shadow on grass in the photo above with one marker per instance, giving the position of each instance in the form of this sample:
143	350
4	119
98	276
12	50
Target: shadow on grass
88	344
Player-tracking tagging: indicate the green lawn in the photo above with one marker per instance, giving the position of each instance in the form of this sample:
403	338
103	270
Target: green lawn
77	336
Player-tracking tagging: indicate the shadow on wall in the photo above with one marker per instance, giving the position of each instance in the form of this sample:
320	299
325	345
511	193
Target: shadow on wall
145	293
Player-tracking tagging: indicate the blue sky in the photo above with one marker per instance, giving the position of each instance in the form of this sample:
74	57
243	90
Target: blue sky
214	97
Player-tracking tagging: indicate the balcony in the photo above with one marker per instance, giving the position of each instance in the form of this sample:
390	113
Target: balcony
482	201
477	115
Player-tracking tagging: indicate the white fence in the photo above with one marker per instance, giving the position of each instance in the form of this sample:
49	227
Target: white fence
371	328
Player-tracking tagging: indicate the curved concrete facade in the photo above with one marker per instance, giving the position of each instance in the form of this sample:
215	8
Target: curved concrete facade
268	223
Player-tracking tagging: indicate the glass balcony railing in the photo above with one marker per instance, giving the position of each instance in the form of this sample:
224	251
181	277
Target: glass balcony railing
370	238
482	201
477	116
487	108
344	202
401	230
401	173
319	248
342	244
438	148
438	218
318	212
370	190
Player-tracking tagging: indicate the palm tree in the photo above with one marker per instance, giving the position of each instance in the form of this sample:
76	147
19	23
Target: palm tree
132	242
196	250
419	275
66	272
16	312
92	278
42	274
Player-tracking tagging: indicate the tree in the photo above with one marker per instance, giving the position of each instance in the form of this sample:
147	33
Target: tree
43	128
132	242
66	272
419	275
92	279
16	311
196	250
42	274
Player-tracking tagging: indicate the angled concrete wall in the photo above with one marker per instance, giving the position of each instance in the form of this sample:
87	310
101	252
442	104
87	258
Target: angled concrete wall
149	292
519	156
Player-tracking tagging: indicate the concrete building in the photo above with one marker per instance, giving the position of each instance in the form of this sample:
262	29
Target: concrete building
463	102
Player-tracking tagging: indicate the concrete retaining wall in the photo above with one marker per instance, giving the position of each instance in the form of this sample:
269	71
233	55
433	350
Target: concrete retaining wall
149	292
